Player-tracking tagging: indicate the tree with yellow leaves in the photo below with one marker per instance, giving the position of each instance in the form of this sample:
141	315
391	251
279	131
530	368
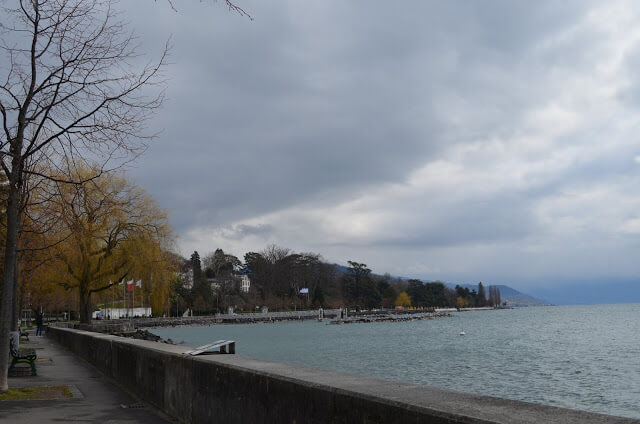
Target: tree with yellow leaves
403	300
109	229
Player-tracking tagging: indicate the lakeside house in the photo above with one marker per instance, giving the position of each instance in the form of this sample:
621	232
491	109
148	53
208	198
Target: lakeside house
245	283
186	278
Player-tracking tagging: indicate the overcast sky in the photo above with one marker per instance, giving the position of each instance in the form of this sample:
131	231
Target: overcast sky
492	141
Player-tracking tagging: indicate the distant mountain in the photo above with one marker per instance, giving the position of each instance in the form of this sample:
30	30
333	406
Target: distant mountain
341	268
584	292
591	292
512	296
516	298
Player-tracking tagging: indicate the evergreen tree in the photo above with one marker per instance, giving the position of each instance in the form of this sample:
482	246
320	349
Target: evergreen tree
430	294
473	298
436	294
196	266
201	288
388	297
318	297
416	290
358	287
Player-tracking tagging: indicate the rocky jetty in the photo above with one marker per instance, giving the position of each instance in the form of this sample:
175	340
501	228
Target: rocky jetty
389	318
144	335
243	318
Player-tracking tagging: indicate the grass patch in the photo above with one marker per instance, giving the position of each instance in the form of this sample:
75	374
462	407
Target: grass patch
37	393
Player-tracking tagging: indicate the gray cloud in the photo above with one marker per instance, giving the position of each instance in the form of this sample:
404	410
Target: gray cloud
467	127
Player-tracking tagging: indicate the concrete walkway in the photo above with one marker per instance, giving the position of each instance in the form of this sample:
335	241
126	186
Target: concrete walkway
96	399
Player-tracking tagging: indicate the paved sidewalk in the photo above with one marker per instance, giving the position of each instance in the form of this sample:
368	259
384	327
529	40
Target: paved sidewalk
96	400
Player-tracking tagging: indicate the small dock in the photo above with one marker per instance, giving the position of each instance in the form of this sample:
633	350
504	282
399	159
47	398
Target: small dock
217	347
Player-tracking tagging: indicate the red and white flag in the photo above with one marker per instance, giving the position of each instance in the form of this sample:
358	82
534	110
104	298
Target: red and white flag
130	285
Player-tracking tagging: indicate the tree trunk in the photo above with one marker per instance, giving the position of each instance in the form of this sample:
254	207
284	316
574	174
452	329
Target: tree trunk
10	260
85	304
16	305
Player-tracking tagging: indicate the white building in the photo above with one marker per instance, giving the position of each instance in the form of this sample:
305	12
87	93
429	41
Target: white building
187	279
245	283
118	313
213	282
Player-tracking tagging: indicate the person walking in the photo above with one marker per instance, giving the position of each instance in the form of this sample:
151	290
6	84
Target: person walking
39	323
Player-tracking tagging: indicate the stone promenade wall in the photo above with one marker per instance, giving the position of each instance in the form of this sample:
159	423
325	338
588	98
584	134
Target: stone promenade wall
235	389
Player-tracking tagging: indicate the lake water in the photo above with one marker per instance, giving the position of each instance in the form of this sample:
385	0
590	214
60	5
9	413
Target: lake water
580	357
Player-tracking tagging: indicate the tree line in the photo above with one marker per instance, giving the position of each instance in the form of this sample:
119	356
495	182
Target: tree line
281	279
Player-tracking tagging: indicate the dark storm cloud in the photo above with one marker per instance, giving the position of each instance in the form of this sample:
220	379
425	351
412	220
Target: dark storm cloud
312	124
301	101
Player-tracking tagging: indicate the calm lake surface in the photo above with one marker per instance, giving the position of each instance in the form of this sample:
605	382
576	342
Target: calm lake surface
580	357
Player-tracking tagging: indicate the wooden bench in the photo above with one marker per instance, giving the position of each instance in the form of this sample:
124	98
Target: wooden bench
27	355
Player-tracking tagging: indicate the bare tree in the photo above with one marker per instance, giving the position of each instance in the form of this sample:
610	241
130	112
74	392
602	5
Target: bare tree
230	5
72	90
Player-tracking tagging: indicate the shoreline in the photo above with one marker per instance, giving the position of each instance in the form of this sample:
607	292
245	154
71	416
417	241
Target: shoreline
330	317
392	315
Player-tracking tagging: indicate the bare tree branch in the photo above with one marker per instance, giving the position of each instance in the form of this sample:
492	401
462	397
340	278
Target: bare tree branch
72	92
230	5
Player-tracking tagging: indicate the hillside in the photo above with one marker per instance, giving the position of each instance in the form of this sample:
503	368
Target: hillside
512	296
